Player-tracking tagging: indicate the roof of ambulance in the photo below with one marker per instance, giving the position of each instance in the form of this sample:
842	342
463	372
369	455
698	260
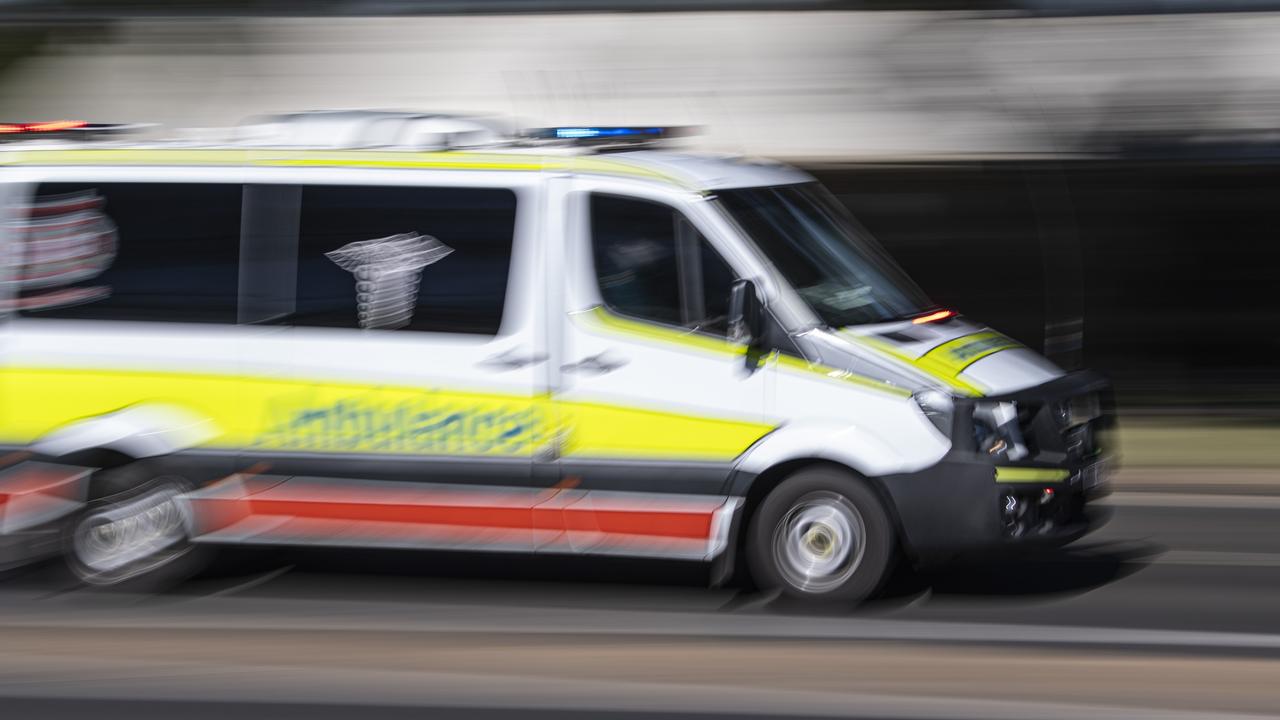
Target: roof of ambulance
687	170
714	171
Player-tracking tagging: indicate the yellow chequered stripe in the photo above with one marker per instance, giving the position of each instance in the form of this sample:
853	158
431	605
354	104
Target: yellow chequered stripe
611	431
265	414
954	356
940	368
601	319
261	157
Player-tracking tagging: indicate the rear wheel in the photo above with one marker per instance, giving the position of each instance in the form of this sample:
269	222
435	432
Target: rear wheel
821	535
134	530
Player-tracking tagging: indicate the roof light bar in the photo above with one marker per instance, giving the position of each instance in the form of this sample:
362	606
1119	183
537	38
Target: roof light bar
593	133
39	127
80	128
572	133
56	125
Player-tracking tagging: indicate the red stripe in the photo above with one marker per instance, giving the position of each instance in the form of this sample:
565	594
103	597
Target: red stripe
470	516
443	508
694	525
426	534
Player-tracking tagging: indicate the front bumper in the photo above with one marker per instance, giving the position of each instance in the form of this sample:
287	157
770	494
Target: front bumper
957	508
967	504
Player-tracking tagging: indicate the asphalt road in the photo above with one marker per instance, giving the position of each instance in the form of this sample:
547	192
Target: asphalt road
1172	610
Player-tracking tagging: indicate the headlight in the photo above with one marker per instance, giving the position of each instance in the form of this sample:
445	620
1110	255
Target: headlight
938	407
996	430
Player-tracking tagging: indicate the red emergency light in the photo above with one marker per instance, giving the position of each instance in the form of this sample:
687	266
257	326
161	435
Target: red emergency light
938	316
41	127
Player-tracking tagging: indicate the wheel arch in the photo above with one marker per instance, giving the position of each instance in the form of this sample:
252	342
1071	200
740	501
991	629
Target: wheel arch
144	434
134	432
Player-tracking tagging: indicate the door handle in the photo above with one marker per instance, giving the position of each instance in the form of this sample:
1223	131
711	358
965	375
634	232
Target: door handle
511	360
598	364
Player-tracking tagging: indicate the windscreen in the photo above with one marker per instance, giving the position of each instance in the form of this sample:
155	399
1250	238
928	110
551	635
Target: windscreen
829	259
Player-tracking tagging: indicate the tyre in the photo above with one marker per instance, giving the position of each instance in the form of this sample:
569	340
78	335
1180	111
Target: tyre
822	535
133	532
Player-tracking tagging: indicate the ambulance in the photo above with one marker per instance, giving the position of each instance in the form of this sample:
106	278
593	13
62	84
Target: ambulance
367	329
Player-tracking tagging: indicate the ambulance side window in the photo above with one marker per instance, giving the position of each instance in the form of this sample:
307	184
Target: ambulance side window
432	259
652	264
155	252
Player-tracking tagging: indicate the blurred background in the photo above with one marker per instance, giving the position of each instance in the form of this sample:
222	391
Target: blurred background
1100	178
1110	161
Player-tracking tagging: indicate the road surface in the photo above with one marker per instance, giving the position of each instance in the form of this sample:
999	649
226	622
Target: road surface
1172	610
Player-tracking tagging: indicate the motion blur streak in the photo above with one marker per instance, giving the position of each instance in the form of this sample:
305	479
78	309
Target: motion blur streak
435	494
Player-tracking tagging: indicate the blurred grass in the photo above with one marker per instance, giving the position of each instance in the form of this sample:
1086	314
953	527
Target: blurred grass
1184	442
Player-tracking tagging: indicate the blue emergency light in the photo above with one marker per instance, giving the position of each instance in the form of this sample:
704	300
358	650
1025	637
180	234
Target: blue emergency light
592	133
606	132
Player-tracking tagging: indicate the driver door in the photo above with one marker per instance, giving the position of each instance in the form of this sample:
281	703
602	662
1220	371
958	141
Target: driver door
654	404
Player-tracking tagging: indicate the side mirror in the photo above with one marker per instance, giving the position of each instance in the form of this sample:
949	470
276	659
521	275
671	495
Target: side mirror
746	315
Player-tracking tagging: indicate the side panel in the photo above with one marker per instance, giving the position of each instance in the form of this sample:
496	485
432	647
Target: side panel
351	395
266	510
338	436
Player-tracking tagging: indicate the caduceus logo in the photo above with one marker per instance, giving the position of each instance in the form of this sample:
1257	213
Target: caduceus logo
387	271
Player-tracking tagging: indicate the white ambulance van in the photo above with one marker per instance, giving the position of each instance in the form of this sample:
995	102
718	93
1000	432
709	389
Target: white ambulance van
573	341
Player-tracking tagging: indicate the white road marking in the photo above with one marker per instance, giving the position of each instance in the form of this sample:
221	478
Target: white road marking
1192	500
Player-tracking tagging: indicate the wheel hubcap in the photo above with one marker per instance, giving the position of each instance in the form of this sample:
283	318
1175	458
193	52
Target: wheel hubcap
131	537
819	543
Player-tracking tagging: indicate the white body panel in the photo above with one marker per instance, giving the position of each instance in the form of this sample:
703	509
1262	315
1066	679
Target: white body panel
867	430
139	431
1012	370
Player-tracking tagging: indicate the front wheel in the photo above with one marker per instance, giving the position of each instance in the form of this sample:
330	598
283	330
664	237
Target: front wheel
821	535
